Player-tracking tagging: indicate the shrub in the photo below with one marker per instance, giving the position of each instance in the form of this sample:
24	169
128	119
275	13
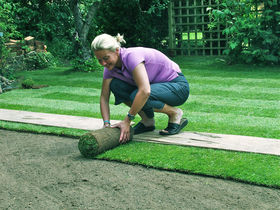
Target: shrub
61	48
253	29
86	65
40	60
28	83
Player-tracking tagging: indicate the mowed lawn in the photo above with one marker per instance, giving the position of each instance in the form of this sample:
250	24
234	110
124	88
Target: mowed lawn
236	99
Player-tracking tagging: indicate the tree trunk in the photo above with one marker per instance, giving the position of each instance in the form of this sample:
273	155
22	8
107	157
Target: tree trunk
82	28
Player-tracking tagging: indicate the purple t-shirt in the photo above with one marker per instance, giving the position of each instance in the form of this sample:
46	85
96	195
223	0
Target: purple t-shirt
158	66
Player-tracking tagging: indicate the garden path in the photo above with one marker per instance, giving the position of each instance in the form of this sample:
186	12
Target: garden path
186	138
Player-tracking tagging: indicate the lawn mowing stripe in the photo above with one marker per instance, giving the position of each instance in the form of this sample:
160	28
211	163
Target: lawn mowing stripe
234	119
265	83
228	72
90	78
230	101
243	89
51	110
71	105
76	90
68	83
227	128
227	109
38	92
63	105
241	95
84	82
70	97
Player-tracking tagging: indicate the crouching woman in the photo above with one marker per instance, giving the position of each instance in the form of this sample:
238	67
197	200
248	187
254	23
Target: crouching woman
144	79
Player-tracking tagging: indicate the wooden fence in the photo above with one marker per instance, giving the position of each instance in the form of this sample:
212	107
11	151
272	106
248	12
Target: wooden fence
189	33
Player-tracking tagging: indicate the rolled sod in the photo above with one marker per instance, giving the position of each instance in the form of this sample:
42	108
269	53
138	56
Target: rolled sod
99	141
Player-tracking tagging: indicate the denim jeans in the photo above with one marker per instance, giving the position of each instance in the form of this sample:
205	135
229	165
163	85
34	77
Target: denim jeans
173	93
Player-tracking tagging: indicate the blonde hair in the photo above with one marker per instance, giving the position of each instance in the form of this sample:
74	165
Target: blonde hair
107	42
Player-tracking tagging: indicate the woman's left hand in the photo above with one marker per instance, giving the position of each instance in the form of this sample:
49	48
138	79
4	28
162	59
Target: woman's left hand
125	130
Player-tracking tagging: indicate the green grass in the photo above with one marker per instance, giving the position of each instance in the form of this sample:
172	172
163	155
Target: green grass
237	99
245	167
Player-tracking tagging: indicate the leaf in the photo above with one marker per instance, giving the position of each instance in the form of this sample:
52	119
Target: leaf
233	45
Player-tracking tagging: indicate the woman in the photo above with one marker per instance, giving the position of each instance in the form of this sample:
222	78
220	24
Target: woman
144	79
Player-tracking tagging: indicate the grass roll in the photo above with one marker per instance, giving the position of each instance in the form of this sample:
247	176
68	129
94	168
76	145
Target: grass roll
99	141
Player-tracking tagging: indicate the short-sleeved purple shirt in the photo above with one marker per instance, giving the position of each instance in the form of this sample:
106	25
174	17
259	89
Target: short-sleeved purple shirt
158	66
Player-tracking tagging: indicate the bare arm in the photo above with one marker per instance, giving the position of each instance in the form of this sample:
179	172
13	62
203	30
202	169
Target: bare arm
142	81
104	100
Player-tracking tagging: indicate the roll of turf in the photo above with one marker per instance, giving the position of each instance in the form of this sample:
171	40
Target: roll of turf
99	141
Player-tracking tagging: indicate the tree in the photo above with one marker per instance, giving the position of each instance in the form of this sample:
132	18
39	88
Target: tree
143	22
65	26
83	22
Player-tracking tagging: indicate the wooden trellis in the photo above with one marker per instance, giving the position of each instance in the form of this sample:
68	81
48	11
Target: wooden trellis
189	33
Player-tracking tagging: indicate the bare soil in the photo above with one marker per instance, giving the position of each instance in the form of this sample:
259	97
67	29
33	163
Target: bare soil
48	172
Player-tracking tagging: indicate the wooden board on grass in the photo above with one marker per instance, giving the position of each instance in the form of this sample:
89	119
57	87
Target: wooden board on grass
58	120
215	141
196	139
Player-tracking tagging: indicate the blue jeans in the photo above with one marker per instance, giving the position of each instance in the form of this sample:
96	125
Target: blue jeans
173	93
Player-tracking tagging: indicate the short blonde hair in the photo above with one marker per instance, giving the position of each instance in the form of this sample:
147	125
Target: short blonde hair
107	42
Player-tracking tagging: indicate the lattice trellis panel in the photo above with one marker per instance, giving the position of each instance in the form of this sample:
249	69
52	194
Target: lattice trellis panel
189	33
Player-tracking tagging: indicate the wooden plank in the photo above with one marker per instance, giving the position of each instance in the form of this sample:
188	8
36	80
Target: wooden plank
66	121
215	141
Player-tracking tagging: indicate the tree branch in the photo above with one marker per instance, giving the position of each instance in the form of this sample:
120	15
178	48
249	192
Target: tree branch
91	13
77	16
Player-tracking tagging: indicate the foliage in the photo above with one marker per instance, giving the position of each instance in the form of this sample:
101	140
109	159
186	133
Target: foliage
40	60
253	29
30	61
9	30
61	48
8	71
89	65
28	83
59	24
48	21
45	19
143	23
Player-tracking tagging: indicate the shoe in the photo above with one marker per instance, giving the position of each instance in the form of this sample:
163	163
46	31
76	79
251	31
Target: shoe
174	128
141	128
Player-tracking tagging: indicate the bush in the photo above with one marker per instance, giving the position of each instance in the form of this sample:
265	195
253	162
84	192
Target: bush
253	29
40	60
27	83
86	65
61	48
